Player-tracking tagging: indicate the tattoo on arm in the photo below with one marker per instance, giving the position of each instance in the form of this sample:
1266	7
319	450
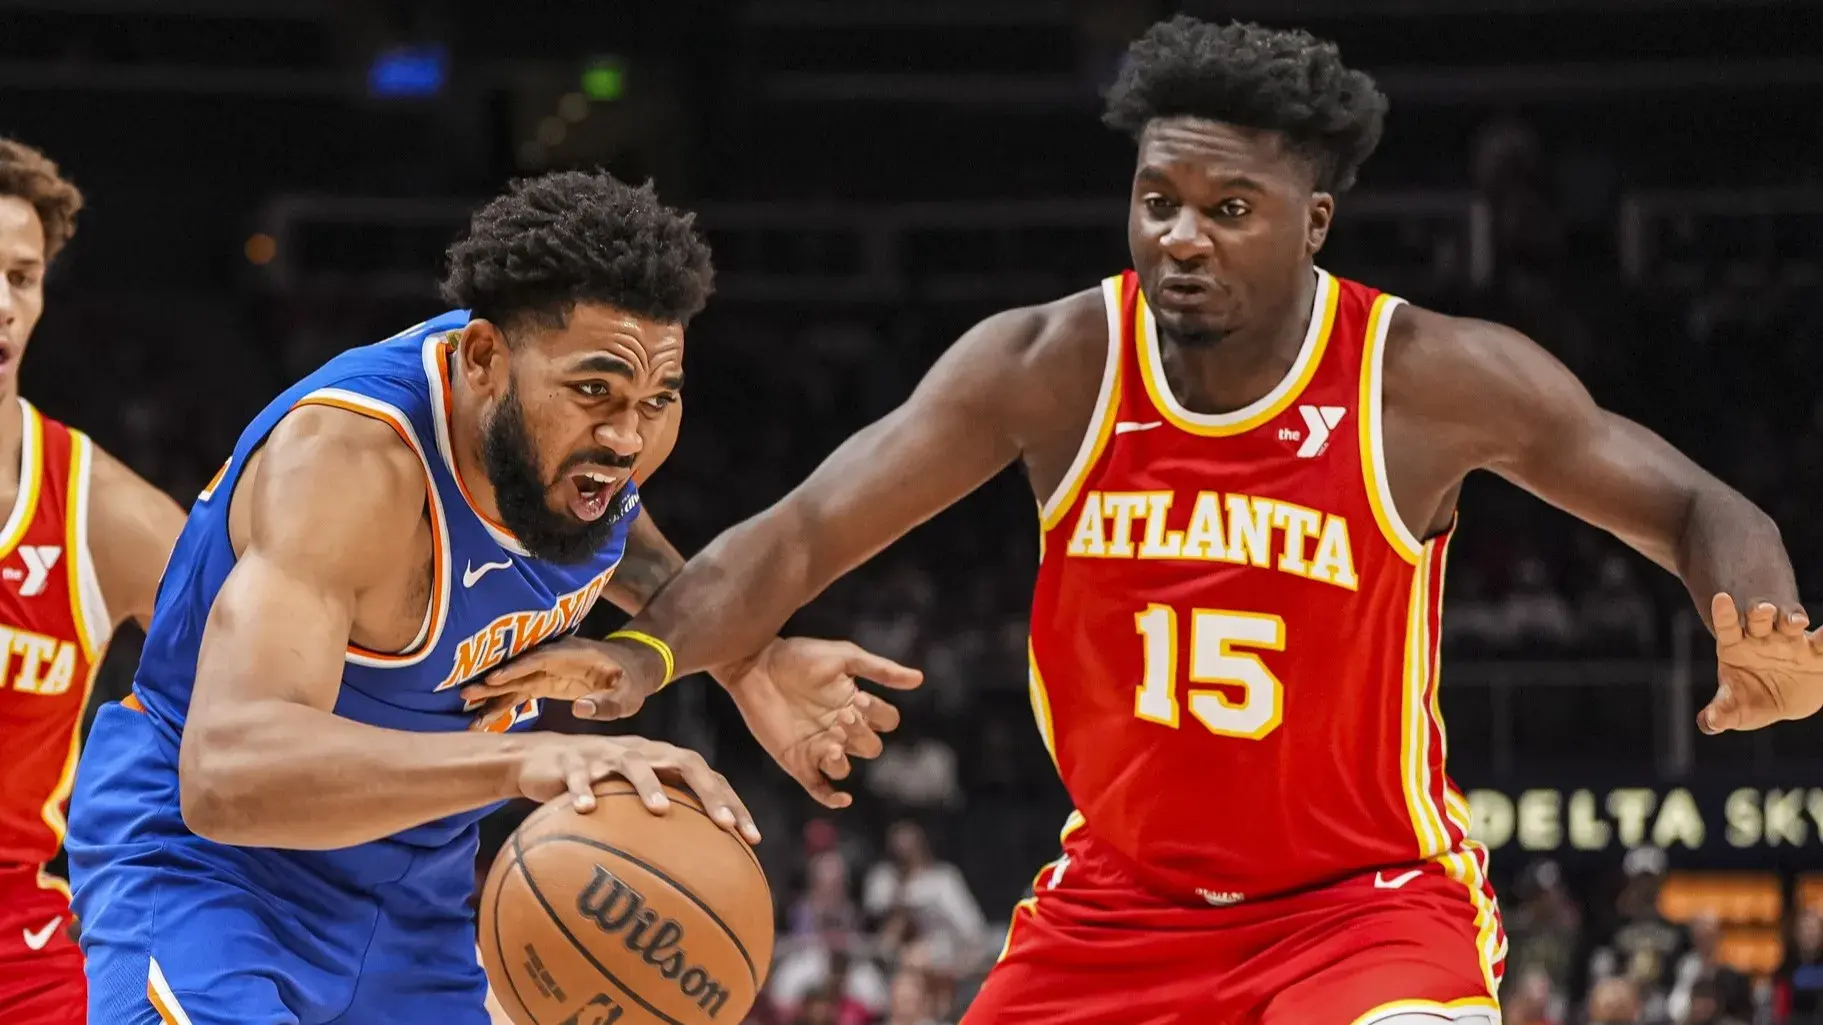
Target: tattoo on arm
649	563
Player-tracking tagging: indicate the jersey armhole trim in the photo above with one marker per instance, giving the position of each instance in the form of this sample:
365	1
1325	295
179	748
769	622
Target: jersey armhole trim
1101	423
208	490
88	603
1373	436
435	613
88	613
31	480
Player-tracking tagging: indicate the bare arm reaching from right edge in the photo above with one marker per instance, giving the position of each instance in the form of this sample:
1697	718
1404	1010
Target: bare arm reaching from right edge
334	502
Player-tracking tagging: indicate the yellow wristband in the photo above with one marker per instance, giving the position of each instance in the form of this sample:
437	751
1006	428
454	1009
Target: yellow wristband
663	649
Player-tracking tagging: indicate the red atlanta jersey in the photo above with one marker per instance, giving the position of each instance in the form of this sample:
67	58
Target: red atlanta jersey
53	626
1234	638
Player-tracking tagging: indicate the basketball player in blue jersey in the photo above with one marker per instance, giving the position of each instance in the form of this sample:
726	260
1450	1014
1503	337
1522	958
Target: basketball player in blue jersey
279	824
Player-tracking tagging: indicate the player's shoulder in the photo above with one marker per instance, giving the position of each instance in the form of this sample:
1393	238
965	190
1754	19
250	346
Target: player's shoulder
1467	383
332	487
1061	339
326	460
1420	329
1049	329
113	481
1425	348
334	442
108	477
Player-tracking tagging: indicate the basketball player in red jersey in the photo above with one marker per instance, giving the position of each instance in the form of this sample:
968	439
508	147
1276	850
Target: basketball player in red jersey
1247	472
81	552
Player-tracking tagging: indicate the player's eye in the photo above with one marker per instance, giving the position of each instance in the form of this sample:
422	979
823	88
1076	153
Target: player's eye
22	279
590	389
657	403
1159	206
1233	208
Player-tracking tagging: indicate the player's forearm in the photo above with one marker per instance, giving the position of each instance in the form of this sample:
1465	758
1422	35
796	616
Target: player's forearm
279	774
1729	544
730	600
649	564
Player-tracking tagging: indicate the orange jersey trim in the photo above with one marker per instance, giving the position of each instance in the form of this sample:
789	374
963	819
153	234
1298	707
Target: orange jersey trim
162	999
214	482
439	571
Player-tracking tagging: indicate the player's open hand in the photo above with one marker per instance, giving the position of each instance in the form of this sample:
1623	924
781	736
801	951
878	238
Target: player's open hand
1768	669
800	698
557	763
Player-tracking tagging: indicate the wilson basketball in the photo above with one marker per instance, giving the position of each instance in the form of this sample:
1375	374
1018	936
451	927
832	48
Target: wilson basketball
625	917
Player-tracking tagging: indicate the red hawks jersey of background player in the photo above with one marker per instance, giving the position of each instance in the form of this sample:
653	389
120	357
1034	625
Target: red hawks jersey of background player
1234	639
52	624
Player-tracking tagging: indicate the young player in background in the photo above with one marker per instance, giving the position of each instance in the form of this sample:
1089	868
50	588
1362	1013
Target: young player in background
80	553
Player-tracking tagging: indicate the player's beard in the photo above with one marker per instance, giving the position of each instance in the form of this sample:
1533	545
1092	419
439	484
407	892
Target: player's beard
1192	337
511	461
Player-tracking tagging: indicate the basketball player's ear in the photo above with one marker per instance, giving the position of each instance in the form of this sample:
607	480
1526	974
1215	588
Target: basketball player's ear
482	356
1319	214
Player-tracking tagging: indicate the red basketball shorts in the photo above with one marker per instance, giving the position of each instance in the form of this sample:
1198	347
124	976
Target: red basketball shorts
1421	943
41	981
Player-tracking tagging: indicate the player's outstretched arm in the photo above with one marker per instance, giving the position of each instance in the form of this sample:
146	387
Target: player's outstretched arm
132	528
1494	399
959	427
332	505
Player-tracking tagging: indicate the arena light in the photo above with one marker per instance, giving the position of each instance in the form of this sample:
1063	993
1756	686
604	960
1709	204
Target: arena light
604	80
409	72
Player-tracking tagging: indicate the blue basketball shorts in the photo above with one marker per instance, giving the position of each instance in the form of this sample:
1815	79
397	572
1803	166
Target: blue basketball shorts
180	930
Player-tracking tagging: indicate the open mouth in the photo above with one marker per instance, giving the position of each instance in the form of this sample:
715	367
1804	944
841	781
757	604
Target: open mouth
591	493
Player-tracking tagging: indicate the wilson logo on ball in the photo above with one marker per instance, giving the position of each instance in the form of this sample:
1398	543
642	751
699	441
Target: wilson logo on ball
615	906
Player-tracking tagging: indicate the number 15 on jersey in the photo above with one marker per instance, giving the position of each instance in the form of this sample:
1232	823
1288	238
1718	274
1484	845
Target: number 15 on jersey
1250	701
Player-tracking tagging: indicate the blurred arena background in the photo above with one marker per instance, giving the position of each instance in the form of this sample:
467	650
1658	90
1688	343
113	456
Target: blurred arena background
1638	184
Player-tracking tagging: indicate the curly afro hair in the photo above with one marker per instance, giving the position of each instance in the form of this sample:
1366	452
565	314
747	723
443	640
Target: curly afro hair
572	237
30	175
1286	81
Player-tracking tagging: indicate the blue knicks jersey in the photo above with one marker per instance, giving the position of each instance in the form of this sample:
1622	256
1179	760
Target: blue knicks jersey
489	599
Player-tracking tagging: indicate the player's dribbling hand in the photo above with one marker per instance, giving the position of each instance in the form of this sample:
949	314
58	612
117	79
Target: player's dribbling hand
557	764
1768	669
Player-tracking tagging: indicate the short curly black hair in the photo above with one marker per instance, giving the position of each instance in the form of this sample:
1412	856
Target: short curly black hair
578	237
1282	80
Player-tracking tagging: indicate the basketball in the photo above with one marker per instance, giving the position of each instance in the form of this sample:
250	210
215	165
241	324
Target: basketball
622	916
